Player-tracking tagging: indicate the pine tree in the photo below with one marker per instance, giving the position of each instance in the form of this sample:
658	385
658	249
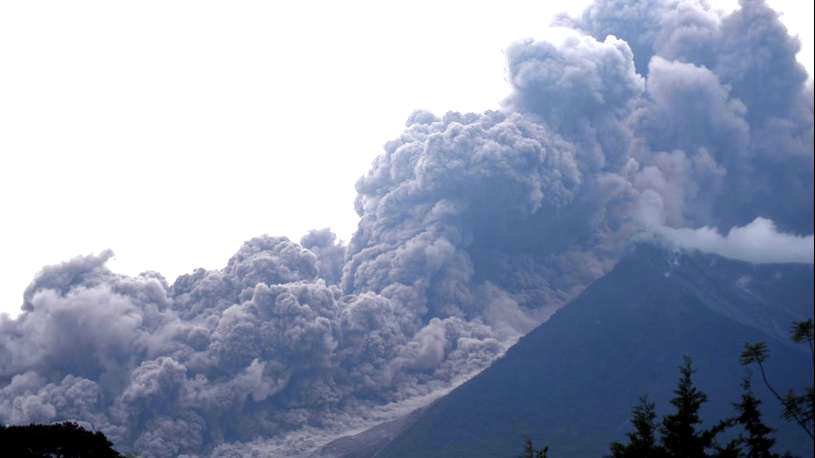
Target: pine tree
642	442
759	438
680	436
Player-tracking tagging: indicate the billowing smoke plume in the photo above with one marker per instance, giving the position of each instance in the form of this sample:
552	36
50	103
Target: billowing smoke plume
650	116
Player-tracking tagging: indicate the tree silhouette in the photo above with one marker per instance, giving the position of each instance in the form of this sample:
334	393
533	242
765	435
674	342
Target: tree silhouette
642	442
679	432
759	438
531	452
797	408
62	440
680	437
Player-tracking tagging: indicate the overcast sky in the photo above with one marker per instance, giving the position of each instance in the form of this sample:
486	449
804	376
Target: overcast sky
172	131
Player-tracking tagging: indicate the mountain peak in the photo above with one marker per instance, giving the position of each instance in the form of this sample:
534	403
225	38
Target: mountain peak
572	381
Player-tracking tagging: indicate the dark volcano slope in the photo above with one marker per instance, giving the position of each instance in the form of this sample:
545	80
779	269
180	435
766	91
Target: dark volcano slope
572	382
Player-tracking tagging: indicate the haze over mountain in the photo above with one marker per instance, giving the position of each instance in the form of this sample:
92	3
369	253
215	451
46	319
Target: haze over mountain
660	118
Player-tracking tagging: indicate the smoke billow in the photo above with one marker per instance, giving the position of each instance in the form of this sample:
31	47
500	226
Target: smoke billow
664	117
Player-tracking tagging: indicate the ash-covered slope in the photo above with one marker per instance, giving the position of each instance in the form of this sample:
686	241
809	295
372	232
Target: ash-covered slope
368	442
572	382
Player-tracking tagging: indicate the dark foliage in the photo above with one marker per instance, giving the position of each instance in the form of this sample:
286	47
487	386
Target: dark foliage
758	440
642	442
531	452
798	408
680	436
63	440
680	432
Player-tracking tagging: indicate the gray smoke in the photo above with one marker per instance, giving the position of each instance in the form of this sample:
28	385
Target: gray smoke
724	96
663	117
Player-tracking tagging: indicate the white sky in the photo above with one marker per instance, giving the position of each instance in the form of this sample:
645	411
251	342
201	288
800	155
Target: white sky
172	131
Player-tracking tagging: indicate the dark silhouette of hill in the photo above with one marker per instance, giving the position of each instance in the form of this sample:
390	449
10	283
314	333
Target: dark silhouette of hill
571	383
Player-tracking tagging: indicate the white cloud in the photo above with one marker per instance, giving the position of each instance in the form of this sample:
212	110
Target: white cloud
757	242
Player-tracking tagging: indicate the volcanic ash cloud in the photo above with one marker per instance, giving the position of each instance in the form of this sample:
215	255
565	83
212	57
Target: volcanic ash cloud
663	117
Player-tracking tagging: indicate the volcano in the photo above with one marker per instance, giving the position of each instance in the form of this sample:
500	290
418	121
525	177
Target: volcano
571	382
